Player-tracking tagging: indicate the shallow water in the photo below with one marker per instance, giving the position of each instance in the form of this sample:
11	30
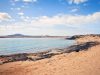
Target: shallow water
31	45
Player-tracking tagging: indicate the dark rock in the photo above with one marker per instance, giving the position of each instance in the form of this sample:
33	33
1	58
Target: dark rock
12	58
80	47
81	36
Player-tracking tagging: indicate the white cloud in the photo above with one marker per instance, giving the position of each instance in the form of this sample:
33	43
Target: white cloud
14	9
76	1
73	20
4	16
18	9
26	18
74	10
27	0
45	25
21	13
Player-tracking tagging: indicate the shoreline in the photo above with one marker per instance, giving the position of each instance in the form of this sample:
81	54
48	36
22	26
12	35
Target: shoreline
17	46
45	54
78	46
82	58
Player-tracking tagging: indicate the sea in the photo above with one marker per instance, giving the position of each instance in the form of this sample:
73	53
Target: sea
31	45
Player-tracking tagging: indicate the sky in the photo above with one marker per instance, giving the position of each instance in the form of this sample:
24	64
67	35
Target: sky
49	17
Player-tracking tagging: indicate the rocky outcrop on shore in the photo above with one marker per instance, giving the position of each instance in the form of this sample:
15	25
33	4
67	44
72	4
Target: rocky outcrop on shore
80	47
82	36
45	54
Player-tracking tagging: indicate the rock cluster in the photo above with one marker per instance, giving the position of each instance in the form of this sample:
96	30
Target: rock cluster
81	36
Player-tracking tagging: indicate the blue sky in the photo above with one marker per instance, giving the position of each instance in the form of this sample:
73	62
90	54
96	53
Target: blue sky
49	17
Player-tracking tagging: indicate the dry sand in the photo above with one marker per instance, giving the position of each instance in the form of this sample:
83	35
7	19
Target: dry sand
88	39
75	63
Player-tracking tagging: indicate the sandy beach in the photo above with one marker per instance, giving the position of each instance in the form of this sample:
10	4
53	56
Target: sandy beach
86	62
49	37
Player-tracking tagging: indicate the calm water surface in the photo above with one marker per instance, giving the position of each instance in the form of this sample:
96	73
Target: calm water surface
27	45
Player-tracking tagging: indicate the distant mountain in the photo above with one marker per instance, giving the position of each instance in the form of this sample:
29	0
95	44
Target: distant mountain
28	36
16	35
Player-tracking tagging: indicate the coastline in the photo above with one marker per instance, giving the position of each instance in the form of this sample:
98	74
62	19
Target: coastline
45	54
10	46
85	49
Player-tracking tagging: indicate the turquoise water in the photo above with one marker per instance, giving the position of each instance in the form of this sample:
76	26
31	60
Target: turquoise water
27	45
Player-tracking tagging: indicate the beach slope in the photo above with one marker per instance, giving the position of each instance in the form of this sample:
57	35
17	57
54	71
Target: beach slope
75	63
